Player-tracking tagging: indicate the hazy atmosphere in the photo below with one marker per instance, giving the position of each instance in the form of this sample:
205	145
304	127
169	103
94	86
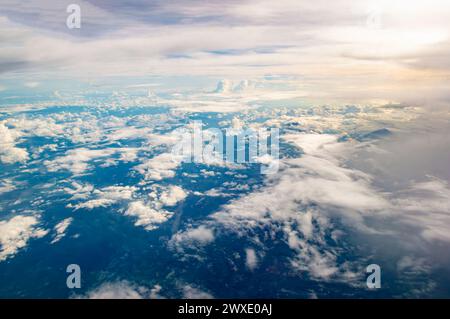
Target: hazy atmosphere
224	149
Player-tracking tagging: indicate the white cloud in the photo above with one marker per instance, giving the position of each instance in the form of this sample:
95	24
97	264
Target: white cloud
16	232
128	133
192	238
148	210
319	41
45	127
190	292
60	229
105	197
128	290
164	165
317	178
148	217
172	195
312	190
159	167
9	153
77	161
214	192
251	260
94	203
409	264
117	290
6	186
150	213
155	292
79	191
31	85
426	205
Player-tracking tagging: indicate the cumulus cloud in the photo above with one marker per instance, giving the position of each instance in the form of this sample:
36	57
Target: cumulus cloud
105	197
79	161
128	290
251	260
172	195
159	167
155	292
16	232
117	290
147	216
151	212
164	165
190	292
309	192
192	238
79	191
316	179
9	153
43	127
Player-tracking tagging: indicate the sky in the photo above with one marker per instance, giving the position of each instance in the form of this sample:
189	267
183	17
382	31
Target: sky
344	50
146	55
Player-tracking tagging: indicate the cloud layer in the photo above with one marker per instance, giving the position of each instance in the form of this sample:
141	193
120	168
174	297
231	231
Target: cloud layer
345	50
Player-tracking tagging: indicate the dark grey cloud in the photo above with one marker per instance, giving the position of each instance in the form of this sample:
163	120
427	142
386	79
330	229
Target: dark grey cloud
13	66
